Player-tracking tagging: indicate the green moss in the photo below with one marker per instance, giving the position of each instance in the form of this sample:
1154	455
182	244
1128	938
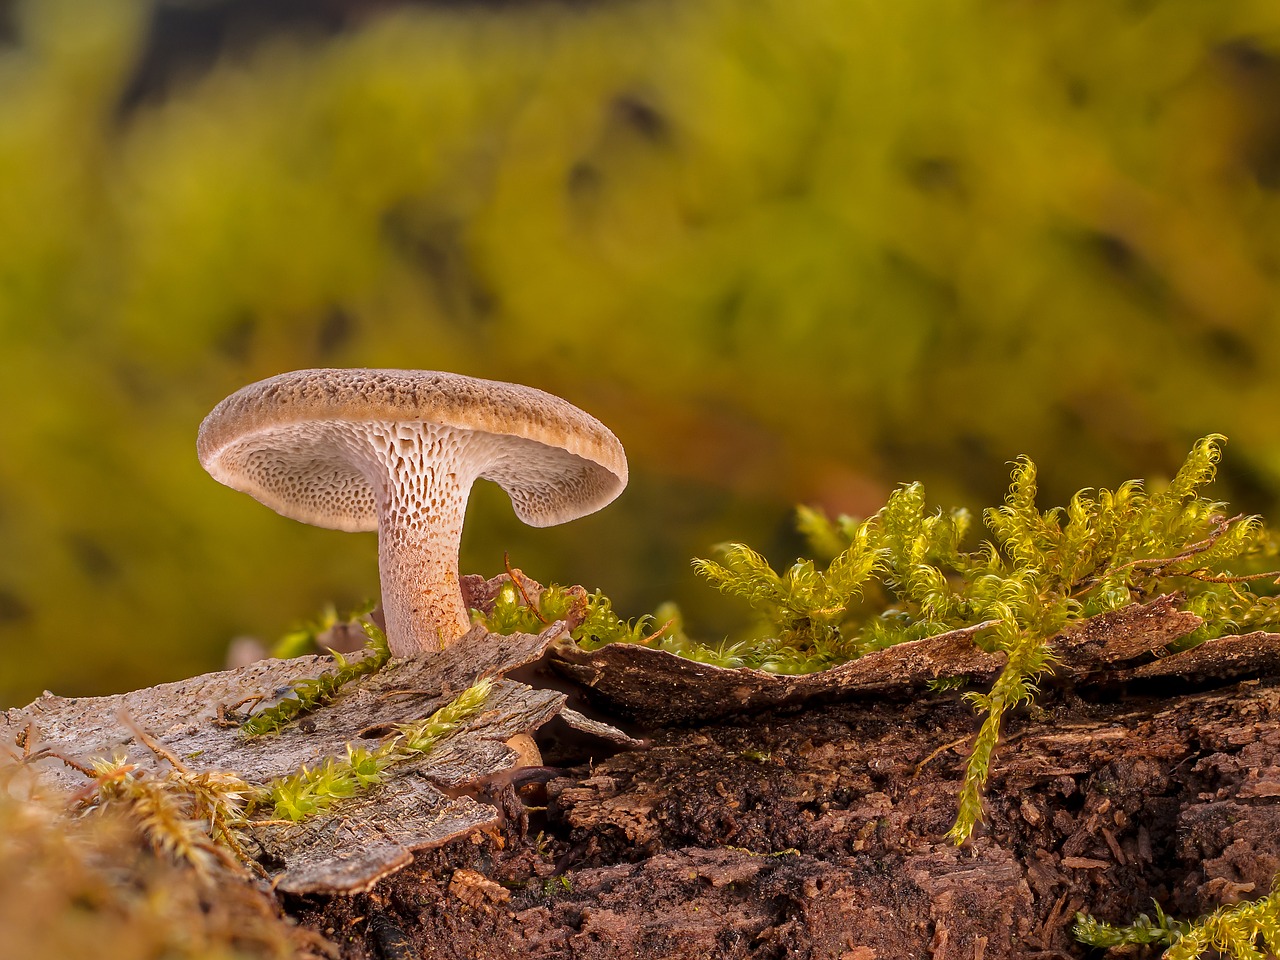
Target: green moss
513	612
1142	931
904	574
311	791
1242	931
312	692
1236	930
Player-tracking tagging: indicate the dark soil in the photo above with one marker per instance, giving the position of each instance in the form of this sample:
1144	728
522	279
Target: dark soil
818	832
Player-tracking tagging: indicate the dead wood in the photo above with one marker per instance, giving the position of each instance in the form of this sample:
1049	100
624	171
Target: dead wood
785	825
819	834
365	838
806	816
655	687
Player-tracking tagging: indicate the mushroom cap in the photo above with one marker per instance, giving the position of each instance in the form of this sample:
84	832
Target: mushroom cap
291	441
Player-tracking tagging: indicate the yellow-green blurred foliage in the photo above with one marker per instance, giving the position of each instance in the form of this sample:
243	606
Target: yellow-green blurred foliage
791	251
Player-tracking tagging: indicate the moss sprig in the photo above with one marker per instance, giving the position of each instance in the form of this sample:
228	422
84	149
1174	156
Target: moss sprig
313	790
804	605
1242	931
1143	930
189	815
1236	930
312	692
189	818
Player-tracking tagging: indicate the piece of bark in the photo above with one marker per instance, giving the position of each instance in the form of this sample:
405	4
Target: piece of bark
656	687
588	726
1119	636
359	840
653	686
184	715
364	839
1225	658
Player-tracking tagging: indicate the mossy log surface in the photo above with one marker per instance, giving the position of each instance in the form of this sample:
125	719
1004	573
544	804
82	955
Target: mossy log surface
655	687
811	828
371	834
819	834
817	830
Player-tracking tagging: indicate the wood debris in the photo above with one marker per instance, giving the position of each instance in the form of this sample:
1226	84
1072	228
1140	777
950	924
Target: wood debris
426	803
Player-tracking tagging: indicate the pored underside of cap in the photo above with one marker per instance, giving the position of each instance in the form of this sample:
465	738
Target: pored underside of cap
286	441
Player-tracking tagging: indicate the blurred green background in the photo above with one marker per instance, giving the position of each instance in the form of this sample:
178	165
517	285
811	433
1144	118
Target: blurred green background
787	251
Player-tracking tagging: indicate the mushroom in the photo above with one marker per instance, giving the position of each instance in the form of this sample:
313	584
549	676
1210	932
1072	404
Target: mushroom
397	451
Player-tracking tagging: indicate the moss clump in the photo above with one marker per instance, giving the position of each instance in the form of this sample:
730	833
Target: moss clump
1241	931
906	573
76	883
595	622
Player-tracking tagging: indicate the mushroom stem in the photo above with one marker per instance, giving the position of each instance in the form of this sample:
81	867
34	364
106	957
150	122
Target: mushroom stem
421	598
421	506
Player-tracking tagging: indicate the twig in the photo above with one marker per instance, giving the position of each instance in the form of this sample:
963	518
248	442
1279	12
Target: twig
1157	565
506	562
942	749
659	632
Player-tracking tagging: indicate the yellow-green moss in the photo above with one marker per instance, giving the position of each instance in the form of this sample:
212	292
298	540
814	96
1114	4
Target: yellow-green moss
907	573
91	885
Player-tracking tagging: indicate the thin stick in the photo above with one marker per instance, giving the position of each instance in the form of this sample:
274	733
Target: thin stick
506	562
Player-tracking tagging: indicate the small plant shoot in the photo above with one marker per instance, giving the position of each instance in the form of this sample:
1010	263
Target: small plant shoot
1241	931
313	790
314	692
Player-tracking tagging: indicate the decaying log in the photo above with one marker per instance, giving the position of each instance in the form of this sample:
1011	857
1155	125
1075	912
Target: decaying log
819	833
811	824
785	825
